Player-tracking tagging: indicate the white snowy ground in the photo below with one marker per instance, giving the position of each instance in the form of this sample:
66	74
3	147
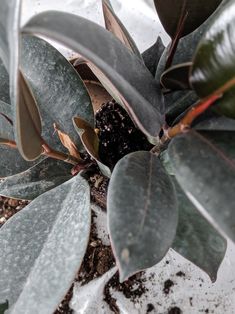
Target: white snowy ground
193	293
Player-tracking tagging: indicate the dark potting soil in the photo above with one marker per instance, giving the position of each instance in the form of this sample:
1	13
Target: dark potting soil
174	310
117	134
9	207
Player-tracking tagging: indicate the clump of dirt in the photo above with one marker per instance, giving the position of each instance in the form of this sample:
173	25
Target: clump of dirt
9	207
180	274
150	308
64	308
174	310
98	258
167	286
99	186
117	134
133	288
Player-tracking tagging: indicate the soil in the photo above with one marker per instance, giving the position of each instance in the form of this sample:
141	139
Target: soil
9	207
167	286
174	310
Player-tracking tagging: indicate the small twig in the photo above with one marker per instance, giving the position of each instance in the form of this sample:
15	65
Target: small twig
59	155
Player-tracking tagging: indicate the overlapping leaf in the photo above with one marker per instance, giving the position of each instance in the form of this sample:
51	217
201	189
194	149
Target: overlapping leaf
152	55
57	88
125	75
204	165
176	77
213	68
114	25
196	239
36	180
171	12
4	84
42	248
90	141
142	212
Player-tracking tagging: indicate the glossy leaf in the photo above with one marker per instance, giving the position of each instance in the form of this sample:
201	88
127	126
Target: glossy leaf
176	77
204	165
214	61
170	12
90	141
42	248
29	126
196	239
142	212
124	74
152	55
177	103
57	88
11	160
36	180
115	26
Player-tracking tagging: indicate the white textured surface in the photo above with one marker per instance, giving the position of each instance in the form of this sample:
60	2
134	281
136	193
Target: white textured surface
138	16
193	293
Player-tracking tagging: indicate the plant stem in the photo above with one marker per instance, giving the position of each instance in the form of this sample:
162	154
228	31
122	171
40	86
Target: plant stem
48	152
190	116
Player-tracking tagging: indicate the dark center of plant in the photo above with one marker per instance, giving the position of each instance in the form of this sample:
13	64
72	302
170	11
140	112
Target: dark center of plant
117	134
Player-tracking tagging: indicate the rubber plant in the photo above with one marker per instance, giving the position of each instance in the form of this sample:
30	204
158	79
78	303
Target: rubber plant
160	125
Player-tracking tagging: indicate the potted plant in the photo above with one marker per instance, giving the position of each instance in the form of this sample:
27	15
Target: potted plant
147	137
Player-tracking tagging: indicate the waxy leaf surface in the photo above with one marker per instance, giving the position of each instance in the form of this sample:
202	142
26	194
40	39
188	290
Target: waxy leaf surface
142	212
204	165
42	248
124	73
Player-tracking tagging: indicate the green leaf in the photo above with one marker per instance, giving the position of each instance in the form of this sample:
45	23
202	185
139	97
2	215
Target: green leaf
196	239
115	26
90	141
142	212
152	55
204	165
36	180
176	77
57	88
28	123
42	248
170	12
214	61
178	102
123	72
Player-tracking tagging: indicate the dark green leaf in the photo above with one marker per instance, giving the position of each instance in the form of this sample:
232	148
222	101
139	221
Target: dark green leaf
57	88
120	70
115	26
42	248
142	212
36	180
152	55
176	77
170	12
196	239
178	102
90	141
214	61
204	165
